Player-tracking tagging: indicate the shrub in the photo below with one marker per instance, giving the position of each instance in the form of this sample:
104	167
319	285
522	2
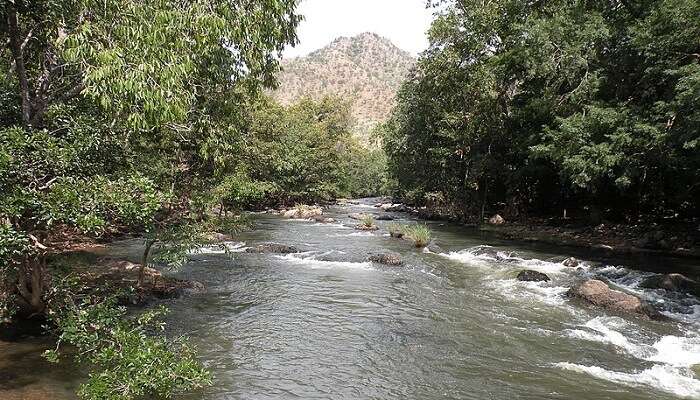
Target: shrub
419	234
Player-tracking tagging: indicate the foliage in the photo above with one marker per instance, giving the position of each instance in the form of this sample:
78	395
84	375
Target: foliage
299	149
533	108
419	234
120	116
130	360
367	174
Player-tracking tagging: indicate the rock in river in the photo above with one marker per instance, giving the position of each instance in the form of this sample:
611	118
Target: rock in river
304	212
672	282
386	259
272	248
532	276
596	292
571	262
323	220
497	220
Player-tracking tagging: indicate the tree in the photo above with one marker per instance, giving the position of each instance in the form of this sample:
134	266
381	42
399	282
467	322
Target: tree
526	108
110	117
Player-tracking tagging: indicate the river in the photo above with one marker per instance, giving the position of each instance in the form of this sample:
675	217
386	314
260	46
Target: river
455	324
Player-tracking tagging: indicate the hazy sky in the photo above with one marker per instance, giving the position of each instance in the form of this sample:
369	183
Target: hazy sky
404	22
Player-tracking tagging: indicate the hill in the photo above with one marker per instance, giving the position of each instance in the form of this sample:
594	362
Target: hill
366	69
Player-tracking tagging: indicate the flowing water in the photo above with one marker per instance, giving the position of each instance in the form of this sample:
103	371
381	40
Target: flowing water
450	324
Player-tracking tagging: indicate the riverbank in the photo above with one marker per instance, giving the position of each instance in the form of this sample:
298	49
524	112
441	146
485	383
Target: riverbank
676	240
90	268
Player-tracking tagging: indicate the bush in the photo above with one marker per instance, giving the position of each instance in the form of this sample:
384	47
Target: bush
419	234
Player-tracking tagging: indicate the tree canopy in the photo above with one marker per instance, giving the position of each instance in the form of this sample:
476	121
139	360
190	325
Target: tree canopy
529	108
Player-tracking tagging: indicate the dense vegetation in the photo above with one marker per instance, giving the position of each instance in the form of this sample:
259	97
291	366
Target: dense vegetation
146	118
539	108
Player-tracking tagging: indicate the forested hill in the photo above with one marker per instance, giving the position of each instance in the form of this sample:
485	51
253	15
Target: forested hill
366	70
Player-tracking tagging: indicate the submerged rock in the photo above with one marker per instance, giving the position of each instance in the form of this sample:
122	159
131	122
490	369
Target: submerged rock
599	294
696	370
571	262
357	216
386	259
532	276
672	282
384	217
497	220
323	220
366	227
433	248
272	248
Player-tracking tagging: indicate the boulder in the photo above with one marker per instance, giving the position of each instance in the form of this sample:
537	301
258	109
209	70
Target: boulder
532	276
386	259
386	206
497	220
272	248
599	294
304	212
672	282
384	217
571	262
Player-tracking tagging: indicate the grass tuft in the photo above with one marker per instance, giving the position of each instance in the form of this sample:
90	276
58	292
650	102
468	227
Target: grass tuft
420	235
367	220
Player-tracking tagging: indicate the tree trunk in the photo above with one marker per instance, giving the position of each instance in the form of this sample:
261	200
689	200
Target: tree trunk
32	291
483	202
15	43
144	262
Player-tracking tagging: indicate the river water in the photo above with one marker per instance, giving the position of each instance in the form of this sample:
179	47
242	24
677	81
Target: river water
451	324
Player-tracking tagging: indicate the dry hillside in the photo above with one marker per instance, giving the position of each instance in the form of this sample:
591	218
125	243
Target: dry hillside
366	69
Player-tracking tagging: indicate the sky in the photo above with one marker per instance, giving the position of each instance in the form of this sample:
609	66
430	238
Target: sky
404	22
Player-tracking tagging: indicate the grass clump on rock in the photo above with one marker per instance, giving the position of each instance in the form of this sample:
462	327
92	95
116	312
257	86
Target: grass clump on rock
367	223
367	220
420	235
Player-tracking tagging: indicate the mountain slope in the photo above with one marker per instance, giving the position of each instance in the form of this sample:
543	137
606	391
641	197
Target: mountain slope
366	69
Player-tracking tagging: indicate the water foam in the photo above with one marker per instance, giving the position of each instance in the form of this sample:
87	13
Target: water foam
667	378
222	248
310	259
606	330
486	255
530	291
678	351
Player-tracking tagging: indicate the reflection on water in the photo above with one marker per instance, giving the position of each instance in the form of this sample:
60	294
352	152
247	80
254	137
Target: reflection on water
326	324
25	375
